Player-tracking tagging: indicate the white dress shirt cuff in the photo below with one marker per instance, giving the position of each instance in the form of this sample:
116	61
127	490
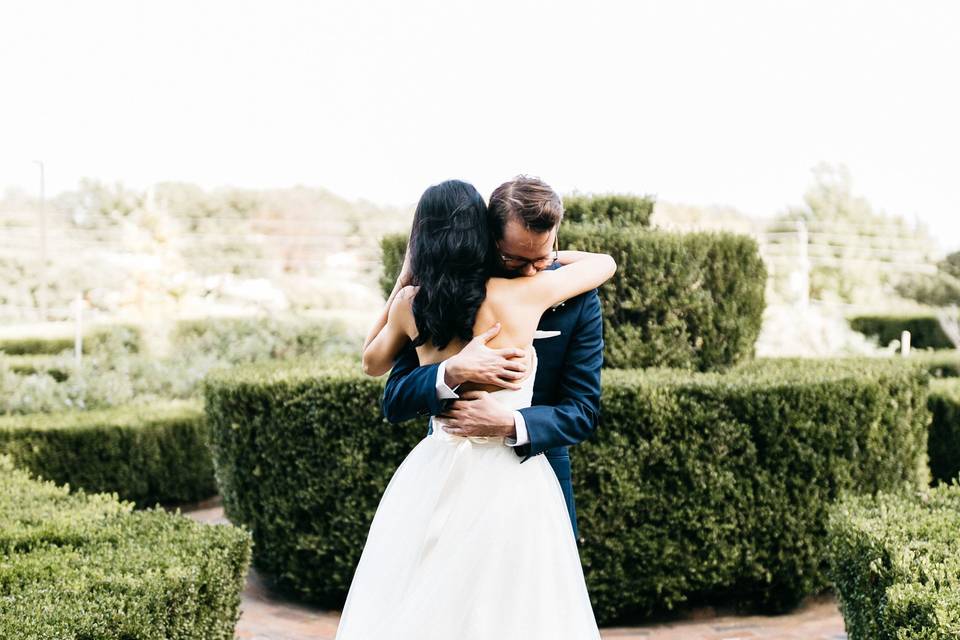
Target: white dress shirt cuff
522	437
443	391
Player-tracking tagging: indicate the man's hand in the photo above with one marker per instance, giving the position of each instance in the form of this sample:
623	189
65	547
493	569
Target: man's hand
477	414
477	362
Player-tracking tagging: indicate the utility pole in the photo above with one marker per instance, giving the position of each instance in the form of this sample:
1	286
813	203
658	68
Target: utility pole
42	293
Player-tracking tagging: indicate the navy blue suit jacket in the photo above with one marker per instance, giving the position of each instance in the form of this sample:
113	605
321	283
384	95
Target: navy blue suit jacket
566	390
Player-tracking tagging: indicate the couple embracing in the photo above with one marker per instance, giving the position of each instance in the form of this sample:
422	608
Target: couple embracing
497	336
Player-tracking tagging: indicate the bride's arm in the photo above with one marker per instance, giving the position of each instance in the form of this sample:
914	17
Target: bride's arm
387	336
581	272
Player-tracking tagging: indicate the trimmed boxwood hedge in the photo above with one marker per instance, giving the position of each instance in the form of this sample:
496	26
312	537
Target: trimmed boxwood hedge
75	565
302	454
248	338
130	336
925	331
714	488
692	300
26	365
944	448
620	209
696	488
393	246
942	363
145	453
895	560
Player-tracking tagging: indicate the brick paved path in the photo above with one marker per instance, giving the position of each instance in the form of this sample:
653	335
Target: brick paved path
265	616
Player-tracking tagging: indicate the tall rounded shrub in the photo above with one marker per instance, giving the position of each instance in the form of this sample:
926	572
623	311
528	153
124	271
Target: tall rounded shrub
691	300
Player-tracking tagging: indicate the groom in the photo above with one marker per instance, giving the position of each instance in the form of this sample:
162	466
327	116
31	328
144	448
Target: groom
525	214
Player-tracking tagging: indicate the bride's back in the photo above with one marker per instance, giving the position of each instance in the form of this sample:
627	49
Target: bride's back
516	303
504	303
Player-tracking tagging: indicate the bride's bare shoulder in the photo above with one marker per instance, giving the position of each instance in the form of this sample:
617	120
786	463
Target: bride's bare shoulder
498	288
510	286
401	309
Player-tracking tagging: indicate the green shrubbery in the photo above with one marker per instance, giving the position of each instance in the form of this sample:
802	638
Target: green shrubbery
709	488
942	363
74	565
697	487
302	455
144	453
110	375
925	331
622	210
28	365
131	337
235	340
895	560
944	449
392	249
692	301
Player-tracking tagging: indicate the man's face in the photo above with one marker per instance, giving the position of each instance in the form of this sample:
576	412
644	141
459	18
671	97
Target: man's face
525	252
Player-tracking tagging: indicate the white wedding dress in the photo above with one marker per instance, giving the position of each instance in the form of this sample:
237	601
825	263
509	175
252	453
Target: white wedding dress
467	543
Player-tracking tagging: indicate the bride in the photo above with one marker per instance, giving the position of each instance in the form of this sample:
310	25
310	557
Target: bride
467	543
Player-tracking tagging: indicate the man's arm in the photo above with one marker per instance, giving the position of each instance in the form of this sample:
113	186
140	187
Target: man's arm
411	389
574	418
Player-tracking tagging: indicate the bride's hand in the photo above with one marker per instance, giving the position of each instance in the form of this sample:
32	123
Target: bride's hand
406	274
477	362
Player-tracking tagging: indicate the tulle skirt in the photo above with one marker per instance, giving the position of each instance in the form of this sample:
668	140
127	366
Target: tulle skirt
468	543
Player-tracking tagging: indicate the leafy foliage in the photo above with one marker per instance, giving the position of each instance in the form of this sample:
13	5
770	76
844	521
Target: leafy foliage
77	565
938	290
895	560
941	289
146	454
129	336
113	373
944	447
941	363
697	487
620	210
925	331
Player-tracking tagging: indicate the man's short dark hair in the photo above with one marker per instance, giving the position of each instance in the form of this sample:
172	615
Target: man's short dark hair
528	200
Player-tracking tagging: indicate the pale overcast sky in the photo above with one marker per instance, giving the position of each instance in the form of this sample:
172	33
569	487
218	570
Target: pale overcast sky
711	102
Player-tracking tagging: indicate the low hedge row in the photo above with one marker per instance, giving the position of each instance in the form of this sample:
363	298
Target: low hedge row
895	560
33	364
144	453
692	300
944	447
696	488
75	565
925	331
131	337
941	363
248	338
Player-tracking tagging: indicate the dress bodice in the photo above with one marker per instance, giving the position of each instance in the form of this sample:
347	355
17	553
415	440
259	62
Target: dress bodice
522	397
511	398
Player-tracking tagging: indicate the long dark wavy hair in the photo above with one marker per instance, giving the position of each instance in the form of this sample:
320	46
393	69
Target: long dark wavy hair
451	256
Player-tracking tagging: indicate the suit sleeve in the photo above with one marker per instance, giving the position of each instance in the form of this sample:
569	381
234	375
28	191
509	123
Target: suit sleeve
574	418
411	390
